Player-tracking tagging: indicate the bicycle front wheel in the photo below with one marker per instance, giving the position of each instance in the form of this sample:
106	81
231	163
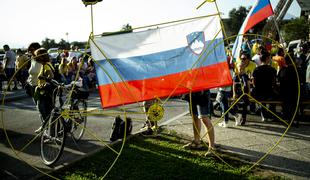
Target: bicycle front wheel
52	140
79	119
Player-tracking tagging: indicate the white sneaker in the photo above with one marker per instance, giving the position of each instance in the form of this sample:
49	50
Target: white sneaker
39	130
223	124
263	118
238	119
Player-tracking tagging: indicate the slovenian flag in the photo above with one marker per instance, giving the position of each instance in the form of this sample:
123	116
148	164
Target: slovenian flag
261	10
165	61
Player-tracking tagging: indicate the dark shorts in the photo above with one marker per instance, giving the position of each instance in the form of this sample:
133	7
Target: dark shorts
201	110
201	105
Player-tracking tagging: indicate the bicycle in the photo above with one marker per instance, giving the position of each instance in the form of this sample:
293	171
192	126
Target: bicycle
64	119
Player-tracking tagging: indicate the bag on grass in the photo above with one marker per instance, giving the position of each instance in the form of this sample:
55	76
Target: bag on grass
118	128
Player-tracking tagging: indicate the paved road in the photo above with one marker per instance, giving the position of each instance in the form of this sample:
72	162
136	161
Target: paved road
20	119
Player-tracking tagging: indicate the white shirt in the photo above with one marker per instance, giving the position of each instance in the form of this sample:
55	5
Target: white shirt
34	71
256	59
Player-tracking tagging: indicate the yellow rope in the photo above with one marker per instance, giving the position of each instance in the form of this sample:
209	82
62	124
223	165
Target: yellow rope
160	24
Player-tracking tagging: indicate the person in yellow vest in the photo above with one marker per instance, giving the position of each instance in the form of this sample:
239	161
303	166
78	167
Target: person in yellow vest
244	65
255	47
44	90
64	70
21	67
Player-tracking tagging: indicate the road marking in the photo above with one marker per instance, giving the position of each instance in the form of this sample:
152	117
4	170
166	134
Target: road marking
174	118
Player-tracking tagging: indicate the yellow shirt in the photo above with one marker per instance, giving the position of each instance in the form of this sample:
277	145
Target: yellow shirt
255	48
44	73
63	69
249	69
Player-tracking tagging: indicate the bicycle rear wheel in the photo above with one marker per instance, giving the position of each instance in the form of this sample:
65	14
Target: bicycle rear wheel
79	119
52	140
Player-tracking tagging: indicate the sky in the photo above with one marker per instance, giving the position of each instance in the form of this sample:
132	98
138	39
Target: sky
26	21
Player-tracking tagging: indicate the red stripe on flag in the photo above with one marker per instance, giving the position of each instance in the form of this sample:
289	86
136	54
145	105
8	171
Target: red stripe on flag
121	93
258	17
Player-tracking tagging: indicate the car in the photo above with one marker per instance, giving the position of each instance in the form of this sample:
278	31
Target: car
52	50
294	45
54	54
76	54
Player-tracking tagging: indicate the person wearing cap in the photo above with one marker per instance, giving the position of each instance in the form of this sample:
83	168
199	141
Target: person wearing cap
43	91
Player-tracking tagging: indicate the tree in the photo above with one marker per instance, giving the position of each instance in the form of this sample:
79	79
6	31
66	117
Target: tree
236	18
296	29
81	45
49	43
63	44
126	28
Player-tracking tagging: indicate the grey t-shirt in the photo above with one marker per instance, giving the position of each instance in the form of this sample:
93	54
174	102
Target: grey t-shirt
9	59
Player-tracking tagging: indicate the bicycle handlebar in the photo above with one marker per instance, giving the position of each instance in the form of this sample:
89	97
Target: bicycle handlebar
62	85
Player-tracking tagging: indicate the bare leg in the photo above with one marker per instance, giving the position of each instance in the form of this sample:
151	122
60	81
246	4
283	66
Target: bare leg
210	131
197	129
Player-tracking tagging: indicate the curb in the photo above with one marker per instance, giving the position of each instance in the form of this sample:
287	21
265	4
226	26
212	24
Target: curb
9	98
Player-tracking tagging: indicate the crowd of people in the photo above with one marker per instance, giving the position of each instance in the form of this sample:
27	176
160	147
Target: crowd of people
266	74
66	65
262	73
35	69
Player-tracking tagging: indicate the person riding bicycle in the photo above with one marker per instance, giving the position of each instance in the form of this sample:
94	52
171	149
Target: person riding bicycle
44	90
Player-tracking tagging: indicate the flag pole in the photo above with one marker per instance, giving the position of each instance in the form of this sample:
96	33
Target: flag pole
222	23
278	29
92	19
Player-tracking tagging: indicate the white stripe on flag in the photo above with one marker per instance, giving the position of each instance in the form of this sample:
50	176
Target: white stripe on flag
154	40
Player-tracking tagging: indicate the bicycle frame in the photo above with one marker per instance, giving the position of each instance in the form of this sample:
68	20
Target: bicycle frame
62	122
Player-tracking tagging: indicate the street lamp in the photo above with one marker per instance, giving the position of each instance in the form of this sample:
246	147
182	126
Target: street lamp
67	34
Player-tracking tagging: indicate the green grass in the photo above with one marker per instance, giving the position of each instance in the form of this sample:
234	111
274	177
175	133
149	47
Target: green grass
160	157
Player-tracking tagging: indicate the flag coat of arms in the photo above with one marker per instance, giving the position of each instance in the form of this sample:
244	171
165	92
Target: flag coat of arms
160	62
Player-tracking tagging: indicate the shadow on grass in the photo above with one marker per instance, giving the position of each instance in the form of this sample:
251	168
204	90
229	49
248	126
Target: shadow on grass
159	157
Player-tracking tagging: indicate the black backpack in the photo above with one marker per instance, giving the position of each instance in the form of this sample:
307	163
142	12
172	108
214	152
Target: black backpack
118	128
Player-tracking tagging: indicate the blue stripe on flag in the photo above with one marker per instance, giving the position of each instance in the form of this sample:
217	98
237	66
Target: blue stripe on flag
261	4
